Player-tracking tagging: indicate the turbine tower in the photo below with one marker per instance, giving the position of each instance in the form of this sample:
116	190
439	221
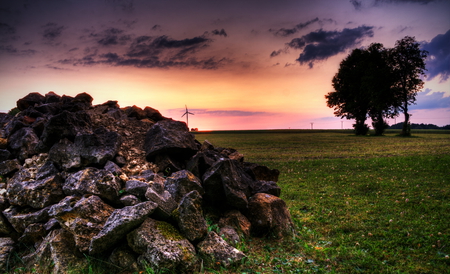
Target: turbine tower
187	116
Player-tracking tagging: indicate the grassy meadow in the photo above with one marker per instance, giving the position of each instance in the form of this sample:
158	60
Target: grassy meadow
360	204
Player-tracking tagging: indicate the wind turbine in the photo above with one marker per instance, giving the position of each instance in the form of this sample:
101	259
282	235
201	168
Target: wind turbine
187	116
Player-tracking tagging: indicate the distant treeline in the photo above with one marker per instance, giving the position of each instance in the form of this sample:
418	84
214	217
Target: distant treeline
419	126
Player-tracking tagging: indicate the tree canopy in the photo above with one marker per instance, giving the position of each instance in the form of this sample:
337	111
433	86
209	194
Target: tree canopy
378	83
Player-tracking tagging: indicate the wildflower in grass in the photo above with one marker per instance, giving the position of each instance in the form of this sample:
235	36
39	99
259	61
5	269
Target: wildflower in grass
406	200
391	220
369	234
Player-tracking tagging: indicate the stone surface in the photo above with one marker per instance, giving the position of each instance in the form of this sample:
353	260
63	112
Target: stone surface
230	235
162	197
6	247
125	258
95	181
23	143
189	216
261	173
182	182
30	100
137	188
169	137
236	220
83	218
120	223
216	249
9	166
162	246
226	183
21	218
269	216
269	187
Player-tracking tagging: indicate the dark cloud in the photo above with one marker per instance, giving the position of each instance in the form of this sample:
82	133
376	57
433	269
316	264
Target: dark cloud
111	36
438	61
424	2
6	29
219	32
9	49
431	100
154	52
52	31
320	45
356	4
157	27
287	32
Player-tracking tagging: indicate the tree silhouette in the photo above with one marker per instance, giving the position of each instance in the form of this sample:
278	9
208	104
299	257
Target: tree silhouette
408	65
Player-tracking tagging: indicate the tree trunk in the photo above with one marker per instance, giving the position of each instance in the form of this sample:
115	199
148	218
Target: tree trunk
406	130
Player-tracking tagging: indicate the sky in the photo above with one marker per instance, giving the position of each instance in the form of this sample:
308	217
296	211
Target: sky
236	64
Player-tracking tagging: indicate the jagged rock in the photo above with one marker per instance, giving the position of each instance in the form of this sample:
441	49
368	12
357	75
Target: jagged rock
216	249
121	222
236	220
20	218
95	181
3	143
30	100
51	224
34	233
182	182
202	161
189	216
6	247
135	112
153	114
51	97
230	235
129	200
125	258
23	143
261	173
64	125
171	138
137	188
84	218
58	249
9	166
162	246
269	187
162	197
86	150
226	183
36	193
269	215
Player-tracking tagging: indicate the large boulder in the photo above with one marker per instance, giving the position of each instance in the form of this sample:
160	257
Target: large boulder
215	249
162	247
58	251
23	143
84	218
171	138
87	149
21	218
119	224
95	181
269	216
157	193
236	220
30	100
189	216
182	182
64	125
226	183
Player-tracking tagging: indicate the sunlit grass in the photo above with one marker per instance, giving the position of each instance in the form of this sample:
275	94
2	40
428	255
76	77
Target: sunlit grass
360	204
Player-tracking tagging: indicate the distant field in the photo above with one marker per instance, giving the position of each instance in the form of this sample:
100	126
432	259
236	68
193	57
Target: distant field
361	204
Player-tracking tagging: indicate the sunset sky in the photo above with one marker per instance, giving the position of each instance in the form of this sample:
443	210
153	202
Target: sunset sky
236	64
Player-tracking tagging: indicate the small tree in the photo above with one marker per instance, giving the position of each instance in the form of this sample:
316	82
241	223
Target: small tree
408	66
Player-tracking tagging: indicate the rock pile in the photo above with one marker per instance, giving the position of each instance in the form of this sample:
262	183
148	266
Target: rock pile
125	184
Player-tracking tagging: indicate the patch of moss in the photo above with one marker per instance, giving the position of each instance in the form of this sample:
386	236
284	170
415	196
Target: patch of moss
168	231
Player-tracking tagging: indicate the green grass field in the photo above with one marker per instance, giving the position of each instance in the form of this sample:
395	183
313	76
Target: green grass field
361	204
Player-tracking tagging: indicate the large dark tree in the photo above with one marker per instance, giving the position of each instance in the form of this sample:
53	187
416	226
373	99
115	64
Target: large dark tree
348	100
408	65
363	88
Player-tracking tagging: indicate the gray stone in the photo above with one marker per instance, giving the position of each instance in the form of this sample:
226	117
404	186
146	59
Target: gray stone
23	143
84	218
182	182
9	166
129	200
20	218
162	246
137	188
121	222
6	247
269	216
95	181
189	216
216	249
162	197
